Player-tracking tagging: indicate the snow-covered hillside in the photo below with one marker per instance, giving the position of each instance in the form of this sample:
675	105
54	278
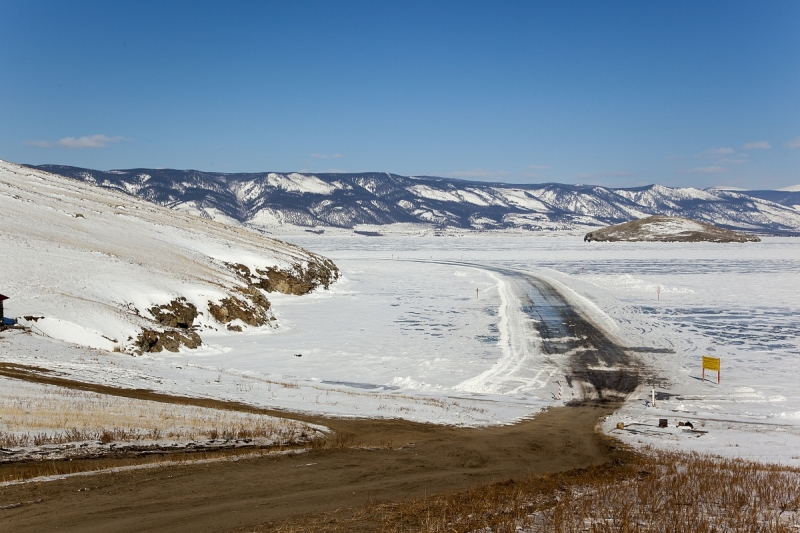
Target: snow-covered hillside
107	270
347	200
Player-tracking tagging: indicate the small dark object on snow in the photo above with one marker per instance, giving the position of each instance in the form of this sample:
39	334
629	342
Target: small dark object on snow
298	355
662	422
3	320
688	425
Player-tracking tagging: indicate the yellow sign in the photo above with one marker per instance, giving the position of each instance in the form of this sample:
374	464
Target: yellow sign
711	363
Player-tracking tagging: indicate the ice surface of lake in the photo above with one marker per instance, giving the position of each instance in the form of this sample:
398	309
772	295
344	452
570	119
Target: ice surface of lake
404	335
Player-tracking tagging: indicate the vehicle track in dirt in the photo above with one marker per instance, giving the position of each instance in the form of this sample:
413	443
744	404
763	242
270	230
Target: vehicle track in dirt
376	460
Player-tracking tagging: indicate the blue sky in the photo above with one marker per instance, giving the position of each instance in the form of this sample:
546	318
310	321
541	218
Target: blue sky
612	93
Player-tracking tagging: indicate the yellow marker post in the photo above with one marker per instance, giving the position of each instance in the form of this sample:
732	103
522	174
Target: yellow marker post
711	363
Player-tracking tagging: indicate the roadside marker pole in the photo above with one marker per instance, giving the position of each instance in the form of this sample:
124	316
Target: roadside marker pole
712	363
476	294
558	396
658	293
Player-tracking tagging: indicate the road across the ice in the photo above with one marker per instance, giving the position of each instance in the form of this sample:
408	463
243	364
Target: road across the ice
597	366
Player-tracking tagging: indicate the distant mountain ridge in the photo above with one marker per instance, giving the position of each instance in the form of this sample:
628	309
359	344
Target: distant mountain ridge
371	198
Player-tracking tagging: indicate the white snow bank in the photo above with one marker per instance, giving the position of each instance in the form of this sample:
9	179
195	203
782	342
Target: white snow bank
70	332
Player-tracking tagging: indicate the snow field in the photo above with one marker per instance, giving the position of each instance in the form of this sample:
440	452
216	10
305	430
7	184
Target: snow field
188	374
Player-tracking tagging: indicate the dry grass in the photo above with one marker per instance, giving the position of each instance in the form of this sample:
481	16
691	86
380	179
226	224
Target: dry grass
21	471
655	492
33	414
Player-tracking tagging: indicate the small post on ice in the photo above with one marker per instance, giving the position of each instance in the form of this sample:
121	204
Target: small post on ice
476	294
658	293
558	396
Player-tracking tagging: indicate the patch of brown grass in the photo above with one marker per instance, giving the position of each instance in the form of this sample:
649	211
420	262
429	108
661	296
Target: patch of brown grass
657	491
33	414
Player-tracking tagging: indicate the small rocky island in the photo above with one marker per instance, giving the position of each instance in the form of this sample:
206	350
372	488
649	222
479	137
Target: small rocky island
661	228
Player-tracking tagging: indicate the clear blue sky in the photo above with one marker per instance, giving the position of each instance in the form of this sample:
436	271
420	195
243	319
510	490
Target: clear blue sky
612	93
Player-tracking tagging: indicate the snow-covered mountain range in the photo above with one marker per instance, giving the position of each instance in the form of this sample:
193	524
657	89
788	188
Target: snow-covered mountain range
349	200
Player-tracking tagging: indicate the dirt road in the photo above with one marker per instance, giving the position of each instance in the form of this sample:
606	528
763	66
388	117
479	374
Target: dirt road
220	496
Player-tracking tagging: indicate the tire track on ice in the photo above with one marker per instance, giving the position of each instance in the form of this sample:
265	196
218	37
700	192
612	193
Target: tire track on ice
550	331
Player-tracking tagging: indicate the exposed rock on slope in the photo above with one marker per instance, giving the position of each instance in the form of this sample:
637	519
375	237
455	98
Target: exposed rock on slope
299	279
177	314
178	318
232	308
171	340
667	229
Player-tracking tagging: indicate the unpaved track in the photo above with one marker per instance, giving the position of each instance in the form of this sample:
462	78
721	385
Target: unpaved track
227	495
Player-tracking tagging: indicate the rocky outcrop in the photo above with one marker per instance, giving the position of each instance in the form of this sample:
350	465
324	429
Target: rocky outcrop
246	303
178	317
170	340
296	280
252	307
177	314
667	229
253	311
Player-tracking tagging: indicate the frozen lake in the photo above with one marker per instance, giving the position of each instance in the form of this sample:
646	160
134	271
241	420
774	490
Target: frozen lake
412	330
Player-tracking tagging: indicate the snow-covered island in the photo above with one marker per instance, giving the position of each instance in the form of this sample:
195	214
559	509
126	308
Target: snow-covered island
659	228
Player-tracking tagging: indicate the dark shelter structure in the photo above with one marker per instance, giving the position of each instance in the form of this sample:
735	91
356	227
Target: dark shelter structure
3	320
